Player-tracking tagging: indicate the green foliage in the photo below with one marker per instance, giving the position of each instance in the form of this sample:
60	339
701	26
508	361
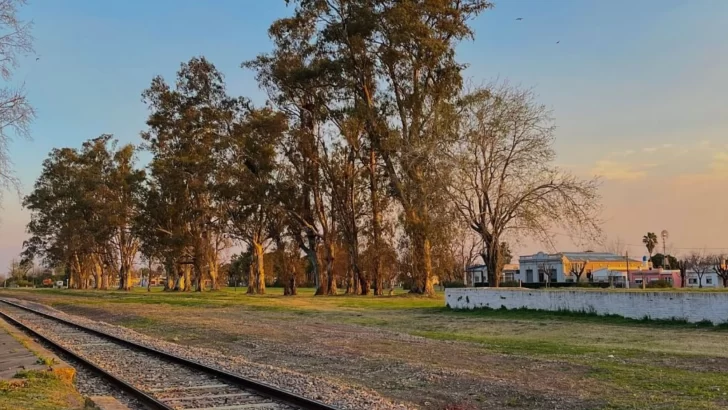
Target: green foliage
46	361
83	200
39	390
659	284
658	260
650	241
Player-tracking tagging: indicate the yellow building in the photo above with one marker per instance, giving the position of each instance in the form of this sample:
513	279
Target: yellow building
567	266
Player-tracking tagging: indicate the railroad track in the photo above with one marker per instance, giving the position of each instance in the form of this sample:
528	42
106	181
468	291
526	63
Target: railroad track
157	379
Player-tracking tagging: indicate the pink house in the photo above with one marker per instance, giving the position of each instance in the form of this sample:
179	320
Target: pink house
652	275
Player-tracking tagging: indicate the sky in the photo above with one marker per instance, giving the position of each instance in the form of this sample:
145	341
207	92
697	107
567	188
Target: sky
638	90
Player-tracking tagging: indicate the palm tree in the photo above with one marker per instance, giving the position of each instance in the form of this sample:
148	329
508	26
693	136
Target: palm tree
650	241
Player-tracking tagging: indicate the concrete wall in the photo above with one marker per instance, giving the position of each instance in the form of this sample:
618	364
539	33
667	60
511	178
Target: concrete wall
689	306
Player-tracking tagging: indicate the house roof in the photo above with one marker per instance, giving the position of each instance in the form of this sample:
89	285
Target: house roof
506	267
595	257
579	257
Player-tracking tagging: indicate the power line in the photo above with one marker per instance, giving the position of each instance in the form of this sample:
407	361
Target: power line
641	245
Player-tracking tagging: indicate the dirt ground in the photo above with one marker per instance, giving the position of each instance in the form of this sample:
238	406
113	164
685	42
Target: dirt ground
429	358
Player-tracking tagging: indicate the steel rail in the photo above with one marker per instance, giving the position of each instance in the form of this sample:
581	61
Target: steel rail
146	399
261	388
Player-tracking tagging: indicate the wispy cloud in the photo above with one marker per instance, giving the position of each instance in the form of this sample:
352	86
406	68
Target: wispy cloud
649	149
715	171
621	171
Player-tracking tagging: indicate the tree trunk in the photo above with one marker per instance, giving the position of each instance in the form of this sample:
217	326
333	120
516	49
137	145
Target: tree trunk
99	270
330	280
125	276
105	279
494	260
214	276
252	287
364	285
213	266
186	282
349	281
422	262
199	275
260	268
171	271
376	225
293	289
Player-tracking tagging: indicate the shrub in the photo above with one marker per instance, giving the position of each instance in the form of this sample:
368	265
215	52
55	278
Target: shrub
510	284
659	284
453	284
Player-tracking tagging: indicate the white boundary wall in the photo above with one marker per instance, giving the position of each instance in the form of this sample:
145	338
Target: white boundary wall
690	306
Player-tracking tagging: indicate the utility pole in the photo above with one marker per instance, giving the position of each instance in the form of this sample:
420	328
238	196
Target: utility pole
626	259
665	260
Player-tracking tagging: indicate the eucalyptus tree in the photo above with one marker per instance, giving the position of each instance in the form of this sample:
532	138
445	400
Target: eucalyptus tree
186	126
82	207
247	189
296	76
398	73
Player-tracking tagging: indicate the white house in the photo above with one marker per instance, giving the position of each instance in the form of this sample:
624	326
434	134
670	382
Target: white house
710	279
479	273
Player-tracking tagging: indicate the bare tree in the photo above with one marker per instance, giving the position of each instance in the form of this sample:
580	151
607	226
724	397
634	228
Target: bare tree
545	270
616	246
577	269
16	113
683	266
504	180
720	266
700	264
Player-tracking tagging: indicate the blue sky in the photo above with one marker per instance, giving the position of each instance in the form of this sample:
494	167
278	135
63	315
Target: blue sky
638	90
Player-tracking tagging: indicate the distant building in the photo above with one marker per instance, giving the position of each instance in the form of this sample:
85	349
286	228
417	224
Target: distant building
710	279
479	274
558	267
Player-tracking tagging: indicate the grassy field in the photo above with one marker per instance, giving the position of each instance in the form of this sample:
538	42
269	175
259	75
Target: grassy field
496	359
38	390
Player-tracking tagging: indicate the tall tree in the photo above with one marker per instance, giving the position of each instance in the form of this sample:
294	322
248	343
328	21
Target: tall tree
295	76
400	77
186	126
82	208
650	241
505	180
247	186
122	191
16	113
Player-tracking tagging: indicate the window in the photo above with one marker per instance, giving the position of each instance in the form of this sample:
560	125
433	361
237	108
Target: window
692	281
709	281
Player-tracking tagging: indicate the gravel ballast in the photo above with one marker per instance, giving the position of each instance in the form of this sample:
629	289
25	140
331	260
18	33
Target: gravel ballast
332	392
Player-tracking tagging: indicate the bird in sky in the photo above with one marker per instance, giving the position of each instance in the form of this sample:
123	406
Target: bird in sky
558	42
519	18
